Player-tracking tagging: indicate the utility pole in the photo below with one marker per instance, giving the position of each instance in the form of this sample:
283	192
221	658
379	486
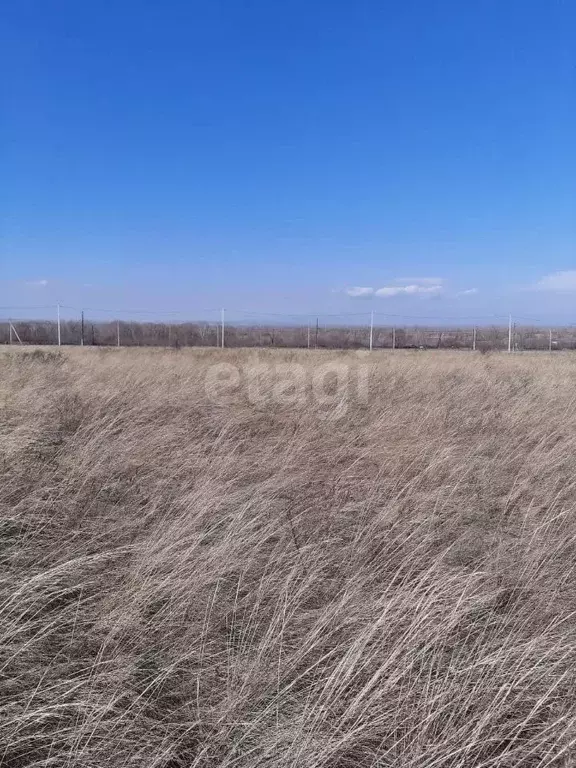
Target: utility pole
10	327
371	330
550	340
15	332
316	340
222	339
82	330
474	340
117	333
59	331
509	333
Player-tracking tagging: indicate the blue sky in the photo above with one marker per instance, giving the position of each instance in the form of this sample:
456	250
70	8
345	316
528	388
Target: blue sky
275	157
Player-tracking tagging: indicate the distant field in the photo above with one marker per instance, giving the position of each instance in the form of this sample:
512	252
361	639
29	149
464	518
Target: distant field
278	558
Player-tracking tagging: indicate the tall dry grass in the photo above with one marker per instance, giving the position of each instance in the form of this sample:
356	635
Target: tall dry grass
190	581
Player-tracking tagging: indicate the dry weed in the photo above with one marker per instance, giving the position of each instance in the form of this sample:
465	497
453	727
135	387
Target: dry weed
188	581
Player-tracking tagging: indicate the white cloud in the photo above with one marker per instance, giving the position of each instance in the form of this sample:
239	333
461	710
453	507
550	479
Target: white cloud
401	286
467	292
389	290
38	283
408	290
558	282
420	280
357	292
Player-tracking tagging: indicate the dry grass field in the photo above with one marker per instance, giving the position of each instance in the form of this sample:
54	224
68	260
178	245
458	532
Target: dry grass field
368	562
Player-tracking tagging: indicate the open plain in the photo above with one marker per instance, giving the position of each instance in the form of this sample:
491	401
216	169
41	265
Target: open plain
315	559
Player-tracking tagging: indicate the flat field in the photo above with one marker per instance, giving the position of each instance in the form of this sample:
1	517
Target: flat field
299	559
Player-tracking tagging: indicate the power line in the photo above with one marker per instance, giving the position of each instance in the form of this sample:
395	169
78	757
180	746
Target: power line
44	306
305	316
442	317
135	311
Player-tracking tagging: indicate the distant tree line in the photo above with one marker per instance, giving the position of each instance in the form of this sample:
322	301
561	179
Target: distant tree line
200	334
